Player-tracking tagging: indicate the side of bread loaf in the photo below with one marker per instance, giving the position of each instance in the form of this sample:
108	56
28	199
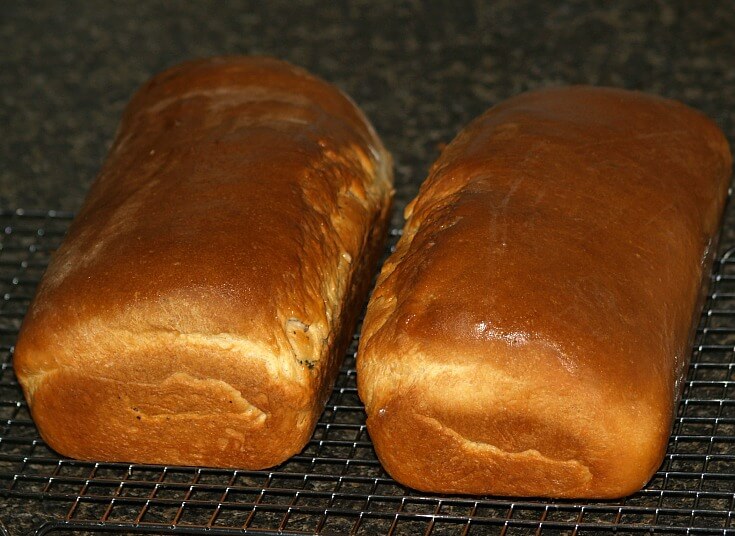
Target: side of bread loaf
531	332
199	307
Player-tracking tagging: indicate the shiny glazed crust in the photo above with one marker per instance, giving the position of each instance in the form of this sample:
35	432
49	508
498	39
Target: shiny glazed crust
199	307
531	332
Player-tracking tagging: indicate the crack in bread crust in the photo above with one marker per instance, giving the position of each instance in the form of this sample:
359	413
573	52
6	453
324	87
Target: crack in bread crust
530	455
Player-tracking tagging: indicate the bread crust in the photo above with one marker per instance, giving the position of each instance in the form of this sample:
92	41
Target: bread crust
201	303
531	332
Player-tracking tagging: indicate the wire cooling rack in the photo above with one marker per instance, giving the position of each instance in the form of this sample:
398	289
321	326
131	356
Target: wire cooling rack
336	485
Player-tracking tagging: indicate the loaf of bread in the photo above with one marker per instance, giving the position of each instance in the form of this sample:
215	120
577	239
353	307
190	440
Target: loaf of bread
531	333
199	307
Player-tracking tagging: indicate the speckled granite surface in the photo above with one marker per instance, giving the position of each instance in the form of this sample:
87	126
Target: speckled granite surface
419	71
68	68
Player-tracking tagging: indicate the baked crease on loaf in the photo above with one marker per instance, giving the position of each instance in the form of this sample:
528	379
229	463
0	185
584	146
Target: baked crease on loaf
531	332
200	305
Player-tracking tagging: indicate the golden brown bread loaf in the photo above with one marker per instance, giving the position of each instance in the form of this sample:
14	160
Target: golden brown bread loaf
200	305
531	332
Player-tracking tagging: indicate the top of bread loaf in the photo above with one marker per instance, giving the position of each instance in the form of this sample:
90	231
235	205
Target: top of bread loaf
640	165
236	195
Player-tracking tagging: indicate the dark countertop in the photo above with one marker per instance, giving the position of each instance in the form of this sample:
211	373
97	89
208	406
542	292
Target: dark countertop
419	71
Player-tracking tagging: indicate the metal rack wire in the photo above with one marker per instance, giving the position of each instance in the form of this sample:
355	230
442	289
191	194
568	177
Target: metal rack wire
336	485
